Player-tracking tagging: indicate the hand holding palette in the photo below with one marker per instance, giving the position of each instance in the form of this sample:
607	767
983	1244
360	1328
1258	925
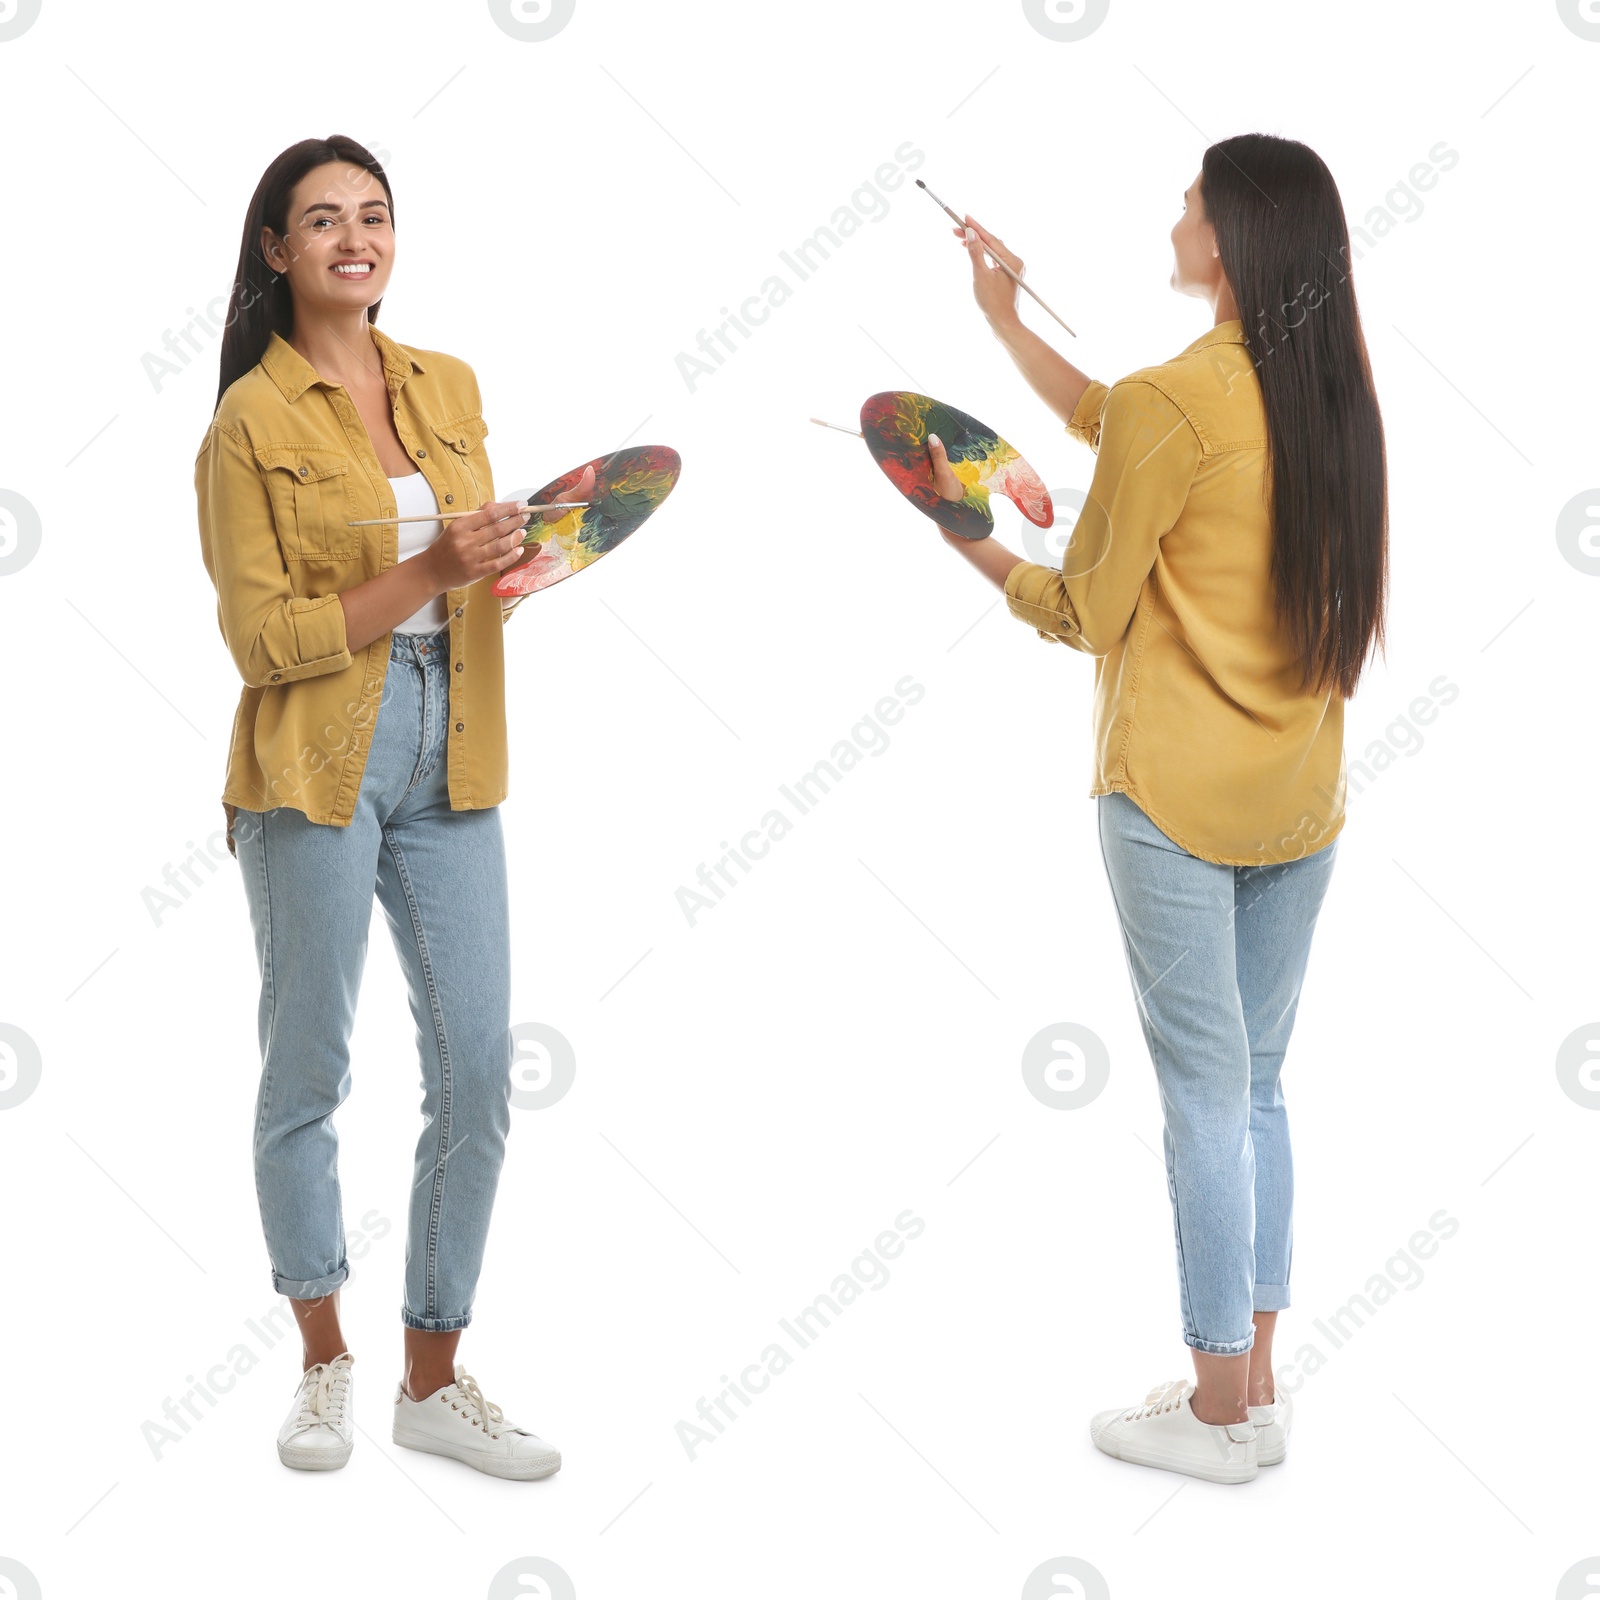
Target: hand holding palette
628	485
896	425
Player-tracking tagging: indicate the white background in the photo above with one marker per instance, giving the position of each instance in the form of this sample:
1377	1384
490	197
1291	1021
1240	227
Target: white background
759	1095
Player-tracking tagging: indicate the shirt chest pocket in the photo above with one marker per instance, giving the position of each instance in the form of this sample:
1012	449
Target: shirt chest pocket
462	440
310	492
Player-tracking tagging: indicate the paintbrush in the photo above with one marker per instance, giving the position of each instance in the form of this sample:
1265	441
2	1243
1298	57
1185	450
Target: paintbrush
450	516
962	223
840	426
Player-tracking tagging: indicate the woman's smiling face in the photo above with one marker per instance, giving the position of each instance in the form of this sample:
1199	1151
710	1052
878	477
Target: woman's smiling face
339	247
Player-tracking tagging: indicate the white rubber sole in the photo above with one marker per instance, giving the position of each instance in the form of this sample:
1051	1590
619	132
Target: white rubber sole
497	1466
314	1460
1272	1454
1219	1472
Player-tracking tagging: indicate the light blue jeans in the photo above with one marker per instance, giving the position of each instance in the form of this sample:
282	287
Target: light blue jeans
440	876
1217	955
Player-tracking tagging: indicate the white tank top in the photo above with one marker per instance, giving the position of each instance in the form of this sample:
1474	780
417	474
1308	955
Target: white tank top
413	498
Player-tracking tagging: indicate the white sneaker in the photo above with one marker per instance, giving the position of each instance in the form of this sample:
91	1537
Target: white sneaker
457	1421
1164	1432
1272	1429
319	1432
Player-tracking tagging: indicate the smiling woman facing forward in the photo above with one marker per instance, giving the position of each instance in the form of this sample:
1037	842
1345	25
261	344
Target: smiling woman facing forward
368	754
1230	610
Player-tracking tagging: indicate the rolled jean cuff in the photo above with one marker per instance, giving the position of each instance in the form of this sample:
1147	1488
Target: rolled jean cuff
310	1288
1236	1347
1271	1297
433	1324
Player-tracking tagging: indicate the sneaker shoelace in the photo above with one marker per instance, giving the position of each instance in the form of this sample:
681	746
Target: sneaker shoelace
490	1417
323	1400
1164	1397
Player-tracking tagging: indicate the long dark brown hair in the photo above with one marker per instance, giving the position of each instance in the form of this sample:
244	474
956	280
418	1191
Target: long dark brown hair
259	304
1285	249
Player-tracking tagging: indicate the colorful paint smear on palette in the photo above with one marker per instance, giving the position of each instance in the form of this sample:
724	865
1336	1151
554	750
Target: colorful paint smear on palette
896	425
628	486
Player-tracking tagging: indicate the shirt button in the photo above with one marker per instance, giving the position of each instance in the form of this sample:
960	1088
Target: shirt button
276	676
460	726
449	499
460	665
305	472
458	611
461	444
421	453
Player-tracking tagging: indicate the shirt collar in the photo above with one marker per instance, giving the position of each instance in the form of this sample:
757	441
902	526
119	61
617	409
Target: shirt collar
1229	332
293	374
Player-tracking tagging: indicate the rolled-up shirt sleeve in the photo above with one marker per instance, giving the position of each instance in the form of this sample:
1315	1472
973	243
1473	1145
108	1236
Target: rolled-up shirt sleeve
1147	453
1084	423
273	634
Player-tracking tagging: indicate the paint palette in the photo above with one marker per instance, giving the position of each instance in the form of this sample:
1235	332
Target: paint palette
896	425
628	485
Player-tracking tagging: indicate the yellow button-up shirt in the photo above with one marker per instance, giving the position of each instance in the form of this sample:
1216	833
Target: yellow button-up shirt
286	465
1198	716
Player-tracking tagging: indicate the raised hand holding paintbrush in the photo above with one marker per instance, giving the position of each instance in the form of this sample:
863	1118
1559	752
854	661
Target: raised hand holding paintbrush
1050	375
993	287
1012	272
